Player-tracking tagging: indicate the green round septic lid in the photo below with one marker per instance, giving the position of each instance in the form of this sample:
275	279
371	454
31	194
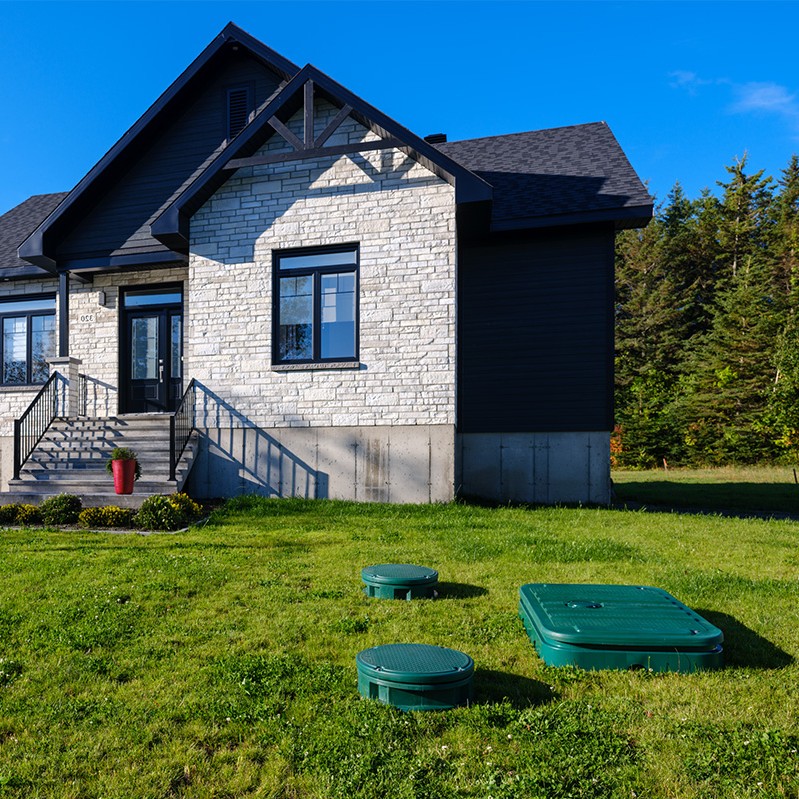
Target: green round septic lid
415	663
399	574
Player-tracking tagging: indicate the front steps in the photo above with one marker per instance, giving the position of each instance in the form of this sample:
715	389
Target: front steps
71	459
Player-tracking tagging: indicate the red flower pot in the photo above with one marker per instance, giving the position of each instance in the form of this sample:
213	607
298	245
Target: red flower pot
124	475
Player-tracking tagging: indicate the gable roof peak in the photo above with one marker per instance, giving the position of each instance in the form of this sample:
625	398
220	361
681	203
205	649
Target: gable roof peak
37	247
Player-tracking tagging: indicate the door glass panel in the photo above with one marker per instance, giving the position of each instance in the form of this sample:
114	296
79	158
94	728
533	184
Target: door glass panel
141	299
176	346
296	318
15	334
42	346
338	315
144	348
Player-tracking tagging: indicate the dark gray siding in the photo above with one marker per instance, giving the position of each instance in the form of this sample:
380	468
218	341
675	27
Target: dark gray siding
535	333
119	222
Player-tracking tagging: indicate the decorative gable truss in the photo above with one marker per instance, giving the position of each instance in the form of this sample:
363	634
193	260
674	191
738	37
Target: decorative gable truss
303	94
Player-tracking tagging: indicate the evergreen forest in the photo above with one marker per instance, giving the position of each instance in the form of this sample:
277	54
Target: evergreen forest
707	329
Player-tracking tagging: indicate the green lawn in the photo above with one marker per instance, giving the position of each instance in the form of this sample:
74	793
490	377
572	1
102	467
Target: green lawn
756	489
221	662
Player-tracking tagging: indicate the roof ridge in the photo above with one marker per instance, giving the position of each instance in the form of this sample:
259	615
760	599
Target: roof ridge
526	132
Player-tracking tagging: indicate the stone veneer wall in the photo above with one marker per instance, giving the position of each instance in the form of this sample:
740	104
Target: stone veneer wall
403	219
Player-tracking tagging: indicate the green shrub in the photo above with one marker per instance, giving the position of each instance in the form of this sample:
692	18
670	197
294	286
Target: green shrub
8	513
61	509
28	514
186	505
158	513
163	512
107	516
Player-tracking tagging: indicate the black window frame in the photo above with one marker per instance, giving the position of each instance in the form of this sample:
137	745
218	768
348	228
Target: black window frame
317	272
29	315
249	88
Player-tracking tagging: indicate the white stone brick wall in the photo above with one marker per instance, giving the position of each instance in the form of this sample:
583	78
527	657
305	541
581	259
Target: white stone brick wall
402	217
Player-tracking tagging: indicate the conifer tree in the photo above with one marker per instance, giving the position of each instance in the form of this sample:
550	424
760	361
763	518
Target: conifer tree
783	410
729	374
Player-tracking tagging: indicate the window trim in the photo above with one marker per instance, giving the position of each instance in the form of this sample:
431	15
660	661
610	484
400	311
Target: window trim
315	362
28	334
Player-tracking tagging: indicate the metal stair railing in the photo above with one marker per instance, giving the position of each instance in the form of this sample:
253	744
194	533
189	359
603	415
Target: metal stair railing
181	425
34	422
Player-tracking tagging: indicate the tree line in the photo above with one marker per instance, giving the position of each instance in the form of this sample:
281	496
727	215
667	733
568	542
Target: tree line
707	328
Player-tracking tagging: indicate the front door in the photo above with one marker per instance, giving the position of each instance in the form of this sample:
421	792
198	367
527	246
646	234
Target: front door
152	350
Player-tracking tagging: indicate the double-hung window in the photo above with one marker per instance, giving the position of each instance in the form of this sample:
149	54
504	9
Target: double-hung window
316	305
27	339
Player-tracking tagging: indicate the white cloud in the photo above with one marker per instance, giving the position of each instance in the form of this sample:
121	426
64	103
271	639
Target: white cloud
768	97
690	81
747	98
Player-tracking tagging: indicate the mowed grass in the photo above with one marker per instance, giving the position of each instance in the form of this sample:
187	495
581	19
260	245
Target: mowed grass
757	489
220	662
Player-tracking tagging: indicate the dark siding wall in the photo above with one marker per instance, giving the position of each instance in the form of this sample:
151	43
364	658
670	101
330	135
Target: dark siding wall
535	333
119	222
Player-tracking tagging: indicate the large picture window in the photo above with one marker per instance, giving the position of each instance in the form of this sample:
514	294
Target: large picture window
27	340
316	305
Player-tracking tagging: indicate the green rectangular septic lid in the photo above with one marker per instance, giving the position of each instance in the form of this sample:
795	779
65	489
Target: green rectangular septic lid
616	615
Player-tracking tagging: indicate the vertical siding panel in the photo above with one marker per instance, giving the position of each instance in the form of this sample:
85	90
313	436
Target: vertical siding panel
119	222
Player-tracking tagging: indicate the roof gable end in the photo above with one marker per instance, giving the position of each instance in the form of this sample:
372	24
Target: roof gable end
37	247
172	226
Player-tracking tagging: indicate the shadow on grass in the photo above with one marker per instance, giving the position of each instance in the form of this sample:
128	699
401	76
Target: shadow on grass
732	499
496	686
744	647
460	591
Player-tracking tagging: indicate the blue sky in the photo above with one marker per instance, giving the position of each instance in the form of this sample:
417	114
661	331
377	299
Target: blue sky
685	86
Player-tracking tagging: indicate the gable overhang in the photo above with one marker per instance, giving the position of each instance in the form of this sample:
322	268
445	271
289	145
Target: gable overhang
37	248
171	228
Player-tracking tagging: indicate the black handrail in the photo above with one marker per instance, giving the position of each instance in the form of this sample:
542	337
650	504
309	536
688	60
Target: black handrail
181	426
33	424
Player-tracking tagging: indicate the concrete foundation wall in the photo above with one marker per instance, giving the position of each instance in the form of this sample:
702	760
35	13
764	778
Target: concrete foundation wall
367	464
546	468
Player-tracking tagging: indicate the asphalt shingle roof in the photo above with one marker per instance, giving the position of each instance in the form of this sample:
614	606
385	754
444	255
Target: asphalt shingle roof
545	174
16	225
540	177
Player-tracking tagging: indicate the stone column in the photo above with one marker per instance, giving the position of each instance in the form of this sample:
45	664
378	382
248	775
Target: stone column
68	394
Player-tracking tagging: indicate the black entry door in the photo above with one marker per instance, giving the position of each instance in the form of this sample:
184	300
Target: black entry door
152	351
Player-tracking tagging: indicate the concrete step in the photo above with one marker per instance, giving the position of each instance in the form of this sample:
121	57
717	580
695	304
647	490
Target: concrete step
88	500
70	484
72	456
114	438
50	453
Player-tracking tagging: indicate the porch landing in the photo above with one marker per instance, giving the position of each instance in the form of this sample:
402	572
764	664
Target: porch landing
71	459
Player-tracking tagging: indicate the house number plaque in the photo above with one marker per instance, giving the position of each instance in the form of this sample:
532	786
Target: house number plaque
87	317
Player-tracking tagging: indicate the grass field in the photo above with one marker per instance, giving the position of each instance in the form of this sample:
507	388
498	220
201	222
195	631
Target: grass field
757	489
220	662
